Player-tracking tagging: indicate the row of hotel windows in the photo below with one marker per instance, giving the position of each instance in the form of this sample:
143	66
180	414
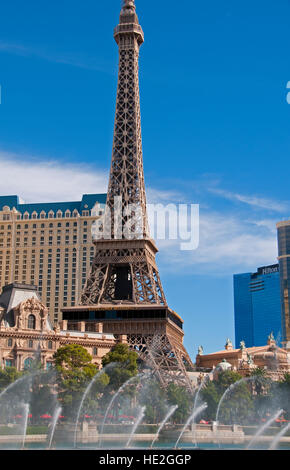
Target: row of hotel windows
51	225
27	363
30	343
29	360
22	237
42	242
50	215
32	258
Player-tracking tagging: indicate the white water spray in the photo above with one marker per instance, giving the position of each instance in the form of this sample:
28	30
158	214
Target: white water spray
190	420
263	428
167	417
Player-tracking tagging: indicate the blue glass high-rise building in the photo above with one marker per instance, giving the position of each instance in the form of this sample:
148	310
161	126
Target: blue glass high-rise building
257	303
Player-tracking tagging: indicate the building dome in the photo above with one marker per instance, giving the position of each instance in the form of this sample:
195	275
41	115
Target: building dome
224	365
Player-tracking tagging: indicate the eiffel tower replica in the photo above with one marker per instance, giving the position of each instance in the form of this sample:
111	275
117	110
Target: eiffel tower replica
124	291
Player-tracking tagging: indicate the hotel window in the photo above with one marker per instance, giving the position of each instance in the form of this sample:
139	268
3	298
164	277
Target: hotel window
31	322
30	343
9	342
28	363
8	363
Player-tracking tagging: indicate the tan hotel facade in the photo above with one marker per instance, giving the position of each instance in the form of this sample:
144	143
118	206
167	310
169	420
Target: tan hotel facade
48	245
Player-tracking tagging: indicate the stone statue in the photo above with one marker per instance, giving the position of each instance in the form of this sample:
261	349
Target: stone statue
271	336
200	351
242	345
20	322
250	359
229	344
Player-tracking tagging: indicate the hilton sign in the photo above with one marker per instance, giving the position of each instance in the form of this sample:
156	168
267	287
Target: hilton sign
269	269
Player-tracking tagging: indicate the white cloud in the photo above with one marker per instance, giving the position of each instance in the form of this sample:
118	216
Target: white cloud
229	242
64	58
48	180
262	203
155	196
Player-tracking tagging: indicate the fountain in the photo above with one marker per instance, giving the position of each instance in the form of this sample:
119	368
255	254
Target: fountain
138	421
167	417
27	395
263	428
119	391
55	418
199	390
18	381
190	420
230	389
25	421
86	392
277	438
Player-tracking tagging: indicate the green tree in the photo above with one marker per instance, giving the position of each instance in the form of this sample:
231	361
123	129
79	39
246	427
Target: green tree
74	371
177	395
8	376
211	396
125	365
262	390
154	398
237	406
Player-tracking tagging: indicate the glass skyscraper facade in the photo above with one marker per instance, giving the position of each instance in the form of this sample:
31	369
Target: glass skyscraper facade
257	304
283	229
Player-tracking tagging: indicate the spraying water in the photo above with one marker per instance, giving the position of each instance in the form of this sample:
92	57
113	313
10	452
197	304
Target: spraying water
263	428
229	389
55	417
18	381
138	421
25	421
167	417
113	399
98	374
190	420
199	390
277	438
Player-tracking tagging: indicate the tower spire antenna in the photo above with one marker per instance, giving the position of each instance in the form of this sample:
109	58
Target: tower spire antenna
129	4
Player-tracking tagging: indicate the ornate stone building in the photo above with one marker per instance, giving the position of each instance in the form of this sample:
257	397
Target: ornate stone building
26	331
275	360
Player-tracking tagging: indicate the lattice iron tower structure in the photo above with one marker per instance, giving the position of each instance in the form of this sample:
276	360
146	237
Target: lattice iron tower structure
124	290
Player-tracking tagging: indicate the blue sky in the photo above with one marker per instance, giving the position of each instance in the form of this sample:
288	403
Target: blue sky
215	124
